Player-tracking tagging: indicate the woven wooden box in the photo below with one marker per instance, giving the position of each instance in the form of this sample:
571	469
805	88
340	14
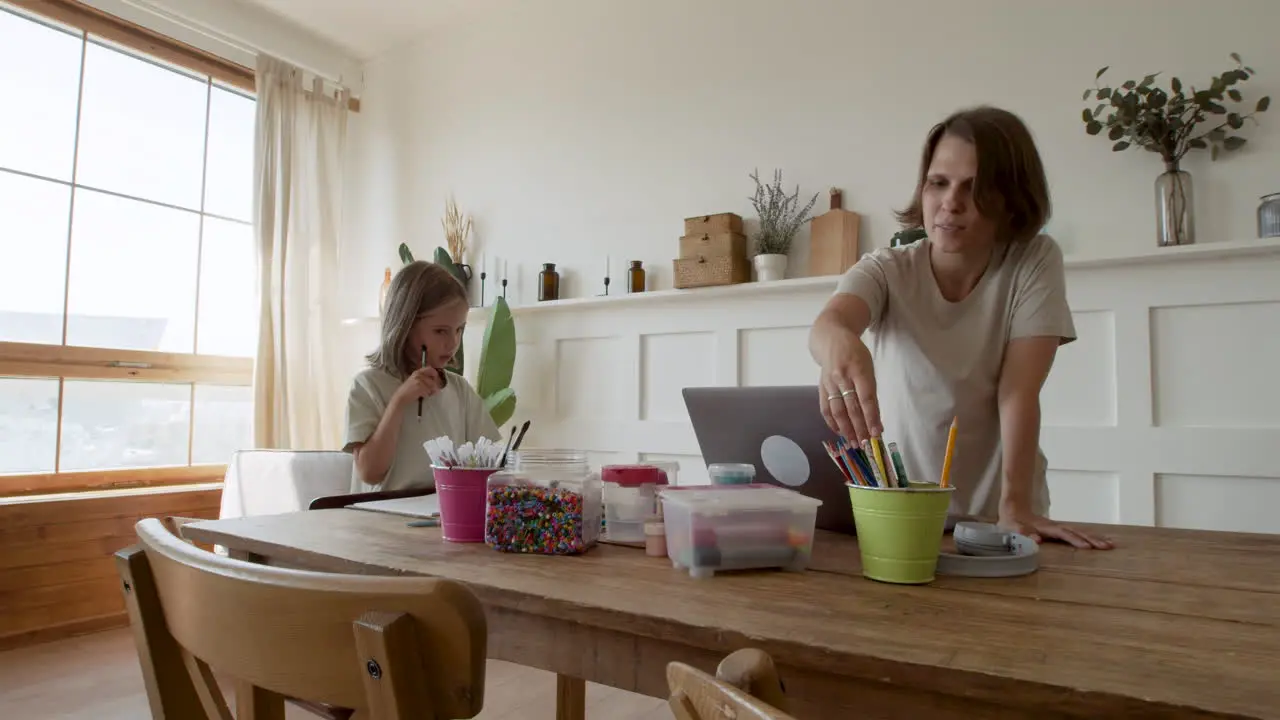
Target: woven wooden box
710	245
711	271
713	224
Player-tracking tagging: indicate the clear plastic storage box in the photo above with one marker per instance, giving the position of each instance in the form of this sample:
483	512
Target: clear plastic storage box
630	500
738	527
546	502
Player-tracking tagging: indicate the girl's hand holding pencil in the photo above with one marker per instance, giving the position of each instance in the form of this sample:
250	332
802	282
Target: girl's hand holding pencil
424	382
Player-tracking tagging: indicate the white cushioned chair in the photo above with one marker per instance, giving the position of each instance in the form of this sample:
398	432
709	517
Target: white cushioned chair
269	482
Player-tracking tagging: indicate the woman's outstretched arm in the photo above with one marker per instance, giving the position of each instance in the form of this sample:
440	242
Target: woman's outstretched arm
1027	362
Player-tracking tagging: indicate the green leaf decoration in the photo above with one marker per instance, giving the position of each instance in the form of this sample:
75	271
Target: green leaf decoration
1176	84
1233	143
406	257
1122	145
502	411
1099	74
1263	104
498	351
442	258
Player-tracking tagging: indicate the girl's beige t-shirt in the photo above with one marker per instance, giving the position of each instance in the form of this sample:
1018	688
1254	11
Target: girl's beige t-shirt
935	360
457	411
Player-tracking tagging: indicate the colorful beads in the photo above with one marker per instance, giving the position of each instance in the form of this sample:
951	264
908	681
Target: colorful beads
534	519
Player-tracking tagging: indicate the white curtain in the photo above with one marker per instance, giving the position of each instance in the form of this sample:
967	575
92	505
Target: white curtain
298	157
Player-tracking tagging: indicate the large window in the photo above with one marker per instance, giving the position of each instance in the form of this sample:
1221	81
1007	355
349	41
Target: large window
127	318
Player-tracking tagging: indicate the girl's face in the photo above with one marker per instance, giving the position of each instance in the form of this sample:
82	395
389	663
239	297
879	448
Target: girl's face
950	216
441	331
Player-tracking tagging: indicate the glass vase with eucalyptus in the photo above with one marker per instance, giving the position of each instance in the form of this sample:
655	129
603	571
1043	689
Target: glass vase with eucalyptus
1175	207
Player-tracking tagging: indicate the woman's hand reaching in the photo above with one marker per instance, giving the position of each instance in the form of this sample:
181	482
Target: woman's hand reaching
847	389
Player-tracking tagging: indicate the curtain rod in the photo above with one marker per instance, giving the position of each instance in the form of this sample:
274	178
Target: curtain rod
237	44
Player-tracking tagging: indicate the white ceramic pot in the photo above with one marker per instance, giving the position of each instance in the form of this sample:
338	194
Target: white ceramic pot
770	267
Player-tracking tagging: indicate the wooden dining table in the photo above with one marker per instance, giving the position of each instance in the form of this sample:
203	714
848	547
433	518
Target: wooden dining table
1169	624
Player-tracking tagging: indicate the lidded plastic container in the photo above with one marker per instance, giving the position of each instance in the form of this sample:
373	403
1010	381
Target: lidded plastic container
546	502
738	527
630	500
731	473
671	468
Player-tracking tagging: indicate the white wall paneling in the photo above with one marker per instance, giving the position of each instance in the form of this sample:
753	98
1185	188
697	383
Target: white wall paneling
1166	411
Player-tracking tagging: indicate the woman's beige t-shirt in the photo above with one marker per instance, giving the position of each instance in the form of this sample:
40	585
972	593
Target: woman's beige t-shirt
457	411
935	360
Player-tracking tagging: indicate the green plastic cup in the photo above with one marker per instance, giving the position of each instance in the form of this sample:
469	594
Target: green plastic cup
900	530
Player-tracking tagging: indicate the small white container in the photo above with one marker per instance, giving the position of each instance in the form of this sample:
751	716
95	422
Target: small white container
731	473
738	527
630	500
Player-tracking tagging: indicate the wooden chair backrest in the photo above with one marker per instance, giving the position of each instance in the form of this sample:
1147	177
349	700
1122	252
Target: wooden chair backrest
386	647
746	687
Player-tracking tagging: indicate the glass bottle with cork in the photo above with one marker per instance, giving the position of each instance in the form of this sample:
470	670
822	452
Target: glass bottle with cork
382	292
548	283
635	277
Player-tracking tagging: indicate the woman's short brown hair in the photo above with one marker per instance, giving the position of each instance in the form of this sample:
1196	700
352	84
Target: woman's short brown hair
417	289
1011	187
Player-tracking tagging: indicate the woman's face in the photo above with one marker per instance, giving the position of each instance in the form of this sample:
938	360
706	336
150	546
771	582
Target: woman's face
950	216
441	331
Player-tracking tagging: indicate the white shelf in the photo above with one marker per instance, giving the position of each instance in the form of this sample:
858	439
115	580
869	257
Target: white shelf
1185	253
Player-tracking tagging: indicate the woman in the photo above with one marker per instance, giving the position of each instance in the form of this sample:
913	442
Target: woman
421	331
962	324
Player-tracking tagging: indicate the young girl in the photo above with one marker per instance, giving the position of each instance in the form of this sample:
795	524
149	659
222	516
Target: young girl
426	308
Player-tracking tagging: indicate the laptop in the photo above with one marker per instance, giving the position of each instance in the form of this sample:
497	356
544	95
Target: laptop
779	430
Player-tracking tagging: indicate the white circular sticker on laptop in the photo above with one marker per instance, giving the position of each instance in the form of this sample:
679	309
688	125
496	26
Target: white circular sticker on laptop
784	460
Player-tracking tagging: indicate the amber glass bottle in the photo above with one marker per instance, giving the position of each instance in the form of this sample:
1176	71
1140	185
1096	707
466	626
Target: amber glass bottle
548	283
635	277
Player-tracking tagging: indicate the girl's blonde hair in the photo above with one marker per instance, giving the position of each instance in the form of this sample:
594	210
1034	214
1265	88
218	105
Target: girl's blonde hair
418	288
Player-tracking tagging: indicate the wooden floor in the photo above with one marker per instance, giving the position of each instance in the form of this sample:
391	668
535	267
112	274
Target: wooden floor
96	677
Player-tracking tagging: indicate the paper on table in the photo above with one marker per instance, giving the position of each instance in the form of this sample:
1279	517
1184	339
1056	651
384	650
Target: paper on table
423	506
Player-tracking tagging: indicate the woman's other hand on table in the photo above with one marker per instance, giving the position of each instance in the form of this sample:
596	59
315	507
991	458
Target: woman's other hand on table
847	389
1040	528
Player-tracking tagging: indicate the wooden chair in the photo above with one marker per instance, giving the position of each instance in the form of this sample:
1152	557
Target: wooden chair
387	648
746	687
328	502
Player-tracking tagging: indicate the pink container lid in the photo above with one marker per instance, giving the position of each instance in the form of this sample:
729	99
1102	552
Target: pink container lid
633	475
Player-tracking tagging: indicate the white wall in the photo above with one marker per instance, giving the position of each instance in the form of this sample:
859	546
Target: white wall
1165	412
576	129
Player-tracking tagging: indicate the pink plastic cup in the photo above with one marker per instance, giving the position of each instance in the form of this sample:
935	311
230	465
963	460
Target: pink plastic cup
462	502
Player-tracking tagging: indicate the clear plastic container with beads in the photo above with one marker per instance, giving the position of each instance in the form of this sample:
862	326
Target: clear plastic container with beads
714	528
546	502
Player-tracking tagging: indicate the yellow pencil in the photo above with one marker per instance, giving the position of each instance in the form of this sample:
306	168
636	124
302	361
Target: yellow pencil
884	473
951	448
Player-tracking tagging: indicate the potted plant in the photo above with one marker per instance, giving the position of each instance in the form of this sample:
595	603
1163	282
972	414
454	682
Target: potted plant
1172	123
779	222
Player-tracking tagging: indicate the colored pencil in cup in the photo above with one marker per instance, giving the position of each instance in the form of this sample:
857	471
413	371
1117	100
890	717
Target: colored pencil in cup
846	461
882	474
891	472
836	459
945	480
863	465
898	465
